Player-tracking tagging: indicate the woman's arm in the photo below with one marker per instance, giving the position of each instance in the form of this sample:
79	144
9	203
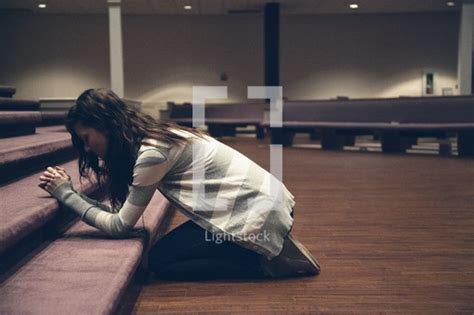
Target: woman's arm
95	202
115	224
150	168
62	171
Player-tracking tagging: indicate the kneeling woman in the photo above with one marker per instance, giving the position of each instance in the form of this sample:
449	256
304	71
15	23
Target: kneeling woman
240	215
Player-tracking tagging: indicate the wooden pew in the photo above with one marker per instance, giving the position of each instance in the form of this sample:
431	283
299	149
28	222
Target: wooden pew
221	119
398	121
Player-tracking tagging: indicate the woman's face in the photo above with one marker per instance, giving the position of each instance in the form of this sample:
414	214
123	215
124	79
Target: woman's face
94	140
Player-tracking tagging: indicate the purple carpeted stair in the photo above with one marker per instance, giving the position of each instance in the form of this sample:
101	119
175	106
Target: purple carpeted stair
20	117
26	207
50	262
17	123
22	155
17	117
82	272
12	104
50	118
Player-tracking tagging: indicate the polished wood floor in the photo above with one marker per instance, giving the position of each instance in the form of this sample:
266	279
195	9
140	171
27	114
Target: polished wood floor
393	233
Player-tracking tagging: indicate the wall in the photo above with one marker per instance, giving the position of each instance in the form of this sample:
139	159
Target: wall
361	55
367	55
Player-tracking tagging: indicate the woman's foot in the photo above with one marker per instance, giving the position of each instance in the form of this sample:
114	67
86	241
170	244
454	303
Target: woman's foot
294	260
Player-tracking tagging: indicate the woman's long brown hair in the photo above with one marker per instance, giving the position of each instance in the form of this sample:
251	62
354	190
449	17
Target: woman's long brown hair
124	127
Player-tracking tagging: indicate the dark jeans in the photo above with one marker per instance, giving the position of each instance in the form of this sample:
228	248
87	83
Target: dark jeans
191	253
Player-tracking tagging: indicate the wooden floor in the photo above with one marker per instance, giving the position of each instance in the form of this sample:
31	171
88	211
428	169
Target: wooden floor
393	233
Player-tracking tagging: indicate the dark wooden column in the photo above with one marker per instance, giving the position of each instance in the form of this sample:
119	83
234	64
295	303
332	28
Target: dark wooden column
272	55
272	44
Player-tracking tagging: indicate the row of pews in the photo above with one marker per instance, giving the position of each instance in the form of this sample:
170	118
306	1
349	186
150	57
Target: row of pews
50	262
221	119
396	122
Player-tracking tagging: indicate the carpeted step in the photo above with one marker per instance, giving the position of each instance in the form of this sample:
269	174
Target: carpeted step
14	124
55	128
26	207
12	104
51	118
84	272
7	91
22	155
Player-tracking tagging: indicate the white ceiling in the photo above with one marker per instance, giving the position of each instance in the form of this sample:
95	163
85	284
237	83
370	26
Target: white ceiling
225	7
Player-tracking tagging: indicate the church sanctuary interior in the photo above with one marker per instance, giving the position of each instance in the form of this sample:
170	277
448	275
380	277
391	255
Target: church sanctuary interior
363	109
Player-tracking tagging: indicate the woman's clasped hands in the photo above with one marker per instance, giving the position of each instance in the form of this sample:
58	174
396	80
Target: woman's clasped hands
53	177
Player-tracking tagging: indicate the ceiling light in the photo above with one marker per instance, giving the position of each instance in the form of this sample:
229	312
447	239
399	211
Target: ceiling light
188	7
450	4
42	6
353	6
